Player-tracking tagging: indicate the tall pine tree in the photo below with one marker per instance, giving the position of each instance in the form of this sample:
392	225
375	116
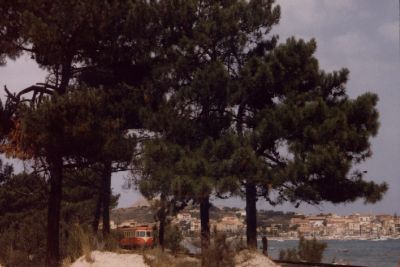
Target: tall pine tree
303	132
203	43
63	37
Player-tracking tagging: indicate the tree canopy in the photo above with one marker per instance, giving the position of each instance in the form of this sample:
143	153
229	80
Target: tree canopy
198	98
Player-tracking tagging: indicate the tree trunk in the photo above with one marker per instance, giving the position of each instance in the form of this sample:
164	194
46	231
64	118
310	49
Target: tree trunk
106	176
161	230
162	216
205	222
96	220
251	215
53	212
265	245
55	161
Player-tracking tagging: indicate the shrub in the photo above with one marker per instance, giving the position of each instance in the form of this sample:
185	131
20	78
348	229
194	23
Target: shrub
311	250
157	258
81	241
289	255
173	237
22	243
220	253
308	250
76	243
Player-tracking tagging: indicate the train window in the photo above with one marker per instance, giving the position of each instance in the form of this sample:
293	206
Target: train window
148	234
140	234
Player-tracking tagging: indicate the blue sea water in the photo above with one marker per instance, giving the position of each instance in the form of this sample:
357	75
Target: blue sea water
382	253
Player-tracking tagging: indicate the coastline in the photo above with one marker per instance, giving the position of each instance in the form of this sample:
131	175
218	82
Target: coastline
340	238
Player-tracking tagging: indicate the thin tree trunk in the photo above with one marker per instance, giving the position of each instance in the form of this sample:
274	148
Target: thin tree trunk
161	230
106	176
96	220
162	216
53	212
205	222
251	215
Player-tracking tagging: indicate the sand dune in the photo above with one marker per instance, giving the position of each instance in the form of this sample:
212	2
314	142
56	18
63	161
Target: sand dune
107	259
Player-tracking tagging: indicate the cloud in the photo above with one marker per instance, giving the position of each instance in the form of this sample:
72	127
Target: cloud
305	11
320	18
390	31
352	44
338	4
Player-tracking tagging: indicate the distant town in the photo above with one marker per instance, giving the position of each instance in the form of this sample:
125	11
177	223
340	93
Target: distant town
273	224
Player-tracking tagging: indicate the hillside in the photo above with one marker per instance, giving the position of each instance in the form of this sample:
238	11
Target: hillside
142	214
145	214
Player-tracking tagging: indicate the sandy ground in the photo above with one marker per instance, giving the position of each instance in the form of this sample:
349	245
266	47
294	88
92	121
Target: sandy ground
110	259
248	258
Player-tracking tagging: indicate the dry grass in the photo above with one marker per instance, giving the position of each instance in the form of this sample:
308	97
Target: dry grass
220	253
82	241
157	258
244	257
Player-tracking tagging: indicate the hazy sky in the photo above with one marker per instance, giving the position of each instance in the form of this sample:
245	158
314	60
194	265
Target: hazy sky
361	35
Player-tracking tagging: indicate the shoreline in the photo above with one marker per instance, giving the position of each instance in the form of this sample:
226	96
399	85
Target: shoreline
344	238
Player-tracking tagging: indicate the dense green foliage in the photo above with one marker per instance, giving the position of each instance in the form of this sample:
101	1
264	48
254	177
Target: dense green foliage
245	113
23	200
22	211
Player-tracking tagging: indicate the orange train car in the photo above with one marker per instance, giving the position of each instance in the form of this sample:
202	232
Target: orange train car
138	236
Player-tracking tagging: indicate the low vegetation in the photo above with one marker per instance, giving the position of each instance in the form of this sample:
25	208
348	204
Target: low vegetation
308	250
158	258
220	252
173	238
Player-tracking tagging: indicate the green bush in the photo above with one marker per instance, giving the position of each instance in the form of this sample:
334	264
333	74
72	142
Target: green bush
289	255
23	242
308	250
220	253
311	250
172	238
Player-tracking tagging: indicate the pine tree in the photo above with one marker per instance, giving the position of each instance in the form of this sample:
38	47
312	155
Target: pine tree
62	36
201	45
304	134
23	199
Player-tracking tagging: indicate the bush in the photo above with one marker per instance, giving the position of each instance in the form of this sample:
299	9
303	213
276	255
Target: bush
23	242
308	250
77	243
311	250
157	258
289	255
220	253
82	241
173	237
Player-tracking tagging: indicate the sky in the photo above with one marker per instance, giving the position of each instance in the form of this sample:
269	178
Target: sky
361	35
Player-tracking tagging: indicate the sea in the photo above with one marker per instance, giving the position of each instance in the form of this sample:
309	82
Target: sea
371	253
